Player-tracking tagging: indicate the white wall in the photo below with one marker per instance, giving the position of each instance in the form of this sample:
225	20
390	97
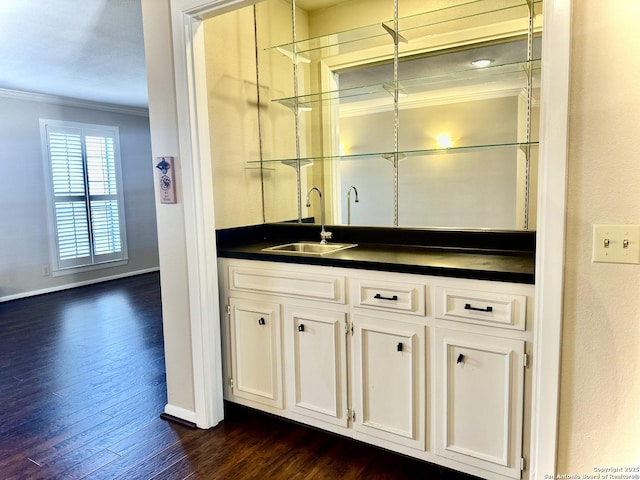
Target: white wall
600	375
24	235
475	189
170	218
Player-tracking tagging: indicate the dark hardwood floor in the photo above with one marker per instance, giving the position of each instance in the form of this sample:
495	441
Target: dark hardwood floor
82	385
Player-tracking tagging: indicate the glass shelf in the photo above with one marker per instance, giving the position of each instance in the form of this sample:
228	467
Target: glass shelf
370	36
495	77
405	154
412	73
465	16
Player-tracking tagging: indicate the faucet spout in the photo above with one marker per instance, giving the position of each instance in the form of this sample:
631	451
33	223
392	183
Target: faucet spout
324	235
352	187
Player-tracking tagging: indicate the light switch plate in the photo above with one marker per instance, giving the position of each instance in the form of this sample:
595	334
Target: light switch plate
616	243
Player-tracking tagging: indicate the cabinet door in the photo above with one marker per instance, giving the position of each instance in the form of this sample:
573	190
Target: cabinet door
316	363
479	388
389	380
256	351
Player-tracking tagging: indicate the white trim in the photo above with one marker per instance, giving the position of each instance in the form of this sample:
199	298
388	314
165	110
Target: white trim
193	134
550	239
67	286
72	102
180	412
185	30
87	268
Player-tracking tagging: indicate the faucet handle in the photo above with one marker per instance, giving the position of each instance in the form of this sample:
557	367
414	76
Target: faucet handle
324	235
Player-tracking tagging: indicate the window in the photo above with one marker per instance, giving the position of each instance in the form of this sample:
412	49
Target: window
82	163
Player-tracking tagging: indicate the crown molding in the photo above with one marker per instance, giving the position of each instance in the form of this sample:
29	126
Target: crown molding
72	102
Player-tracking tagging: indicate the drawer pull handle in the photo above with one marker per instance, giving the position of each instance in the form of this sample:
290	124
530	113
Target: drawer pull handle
467	306
261	321
460	358
380	297
399	346
301	327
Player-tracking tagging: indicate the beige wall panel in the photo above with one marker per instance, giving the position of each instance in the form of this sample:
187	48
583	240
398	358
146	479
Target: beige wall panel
600	380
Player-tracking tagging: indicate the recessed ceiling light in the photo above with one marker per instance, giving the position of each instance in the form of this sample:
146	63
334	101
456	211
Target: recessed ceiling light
482	62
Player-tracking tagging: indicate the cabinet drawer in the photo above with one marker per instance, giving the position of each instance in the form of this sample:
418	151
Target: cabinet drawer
503	310
396	297
325	287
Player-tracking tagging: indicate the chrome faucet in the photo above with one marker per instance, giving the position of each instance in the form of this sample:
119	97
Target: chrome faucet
349	202
324	235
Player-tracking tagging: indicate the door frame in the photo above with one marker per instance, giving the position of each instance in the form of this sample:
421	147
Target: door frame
197	186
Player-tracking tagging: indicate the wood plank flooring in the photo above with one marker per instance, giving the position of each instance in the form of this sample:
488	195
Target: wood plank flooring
82	385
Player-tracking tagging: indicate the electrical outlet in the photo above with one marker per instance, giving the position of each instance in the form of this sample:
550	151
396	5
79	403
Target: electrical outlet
46	271
616	243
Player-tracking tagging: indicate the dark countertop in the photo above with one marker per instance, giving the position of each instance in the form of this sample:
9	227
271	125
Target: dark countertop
447	253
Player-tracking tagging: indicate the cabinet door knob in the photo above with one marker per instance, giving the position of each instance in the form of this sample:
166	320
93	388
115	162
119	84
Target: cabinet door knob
261	321
399	346
301	327
460	358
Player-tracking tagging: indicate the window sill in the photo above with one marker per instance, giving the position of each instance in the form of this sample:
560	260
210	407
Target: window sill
88	268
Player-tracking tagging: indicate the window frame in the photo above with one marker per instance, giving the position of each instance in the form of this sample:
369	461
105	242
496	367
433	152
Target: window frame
92	261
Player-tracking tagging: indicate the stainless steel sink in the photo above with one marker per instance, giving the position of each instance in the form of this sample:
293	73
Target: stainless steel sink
309	248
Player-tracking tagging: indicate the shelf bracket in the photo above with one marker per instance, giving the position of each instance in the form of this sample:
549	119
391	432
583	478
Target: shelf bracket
294	163
293	104
395	35
390	87
394	157
294	57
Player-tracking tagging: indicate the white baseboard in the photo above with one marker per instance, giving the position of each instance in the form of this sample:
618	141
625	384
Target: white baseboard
180	412
67	286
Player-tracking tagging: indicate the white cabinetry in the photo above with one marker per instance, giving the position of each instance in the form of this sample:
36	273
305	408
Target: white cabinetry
389	358
389	379
430	367
479	399
480	375
503	310
256	351
285	321
387	296
317	363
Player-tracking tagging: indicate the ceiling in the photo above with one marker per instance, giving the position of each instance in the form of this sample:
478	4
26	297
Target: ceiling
87	50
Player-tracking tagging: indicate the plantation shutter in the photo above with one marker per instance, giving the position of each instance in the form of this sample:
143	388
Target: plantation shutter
87	199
